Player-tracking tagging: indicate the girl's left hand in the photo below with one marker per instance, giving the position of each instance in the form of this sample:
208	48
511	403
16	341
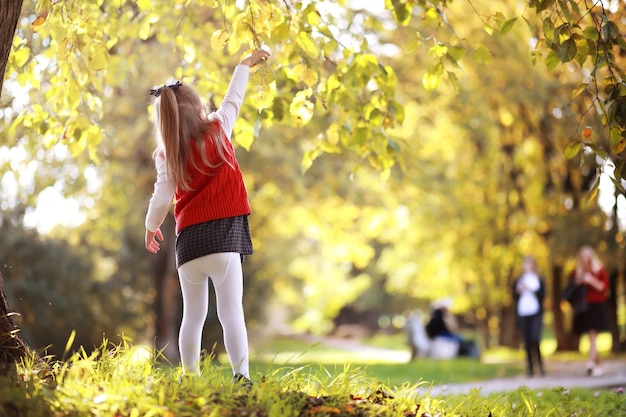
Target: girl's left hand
151	240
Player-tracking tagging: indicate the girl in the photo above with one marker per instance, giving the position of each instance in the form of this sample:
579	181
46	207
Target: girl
529	293
196	164
594	319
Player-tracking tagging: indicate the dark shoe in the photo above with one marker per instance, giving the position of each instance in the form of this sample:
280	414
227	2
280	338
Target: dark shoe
239	379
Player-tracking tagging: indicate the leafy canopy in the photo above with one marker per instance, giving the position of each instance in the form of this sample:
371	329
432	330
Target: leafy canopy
326	63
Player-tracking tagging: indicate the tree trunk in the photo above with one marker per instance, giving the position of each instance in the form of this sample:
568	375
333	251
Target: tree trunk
9	15
12	347
565	340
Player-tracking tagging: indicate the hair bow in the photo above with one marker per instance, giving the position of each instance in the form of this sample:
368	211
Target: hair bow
157	91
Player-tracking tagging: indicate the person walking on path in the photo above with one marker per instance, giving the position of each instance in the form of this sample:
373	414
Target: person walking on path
590	279
528	294
195	163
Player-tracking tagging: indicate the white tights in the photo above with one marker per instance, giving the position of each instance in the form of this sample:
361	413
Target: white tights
224	269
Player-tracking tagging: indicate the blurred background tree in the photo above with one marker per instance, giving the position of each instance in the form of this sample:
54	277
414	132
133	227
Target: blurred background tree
394	154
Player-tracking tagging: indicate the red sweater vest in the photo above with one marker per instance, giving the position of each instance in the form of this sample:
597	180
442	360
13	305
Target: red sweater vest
595	296
218	194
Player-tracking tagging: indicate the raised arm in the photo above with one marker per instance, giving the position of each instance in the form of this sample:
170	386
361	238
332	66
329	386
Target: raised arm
228	111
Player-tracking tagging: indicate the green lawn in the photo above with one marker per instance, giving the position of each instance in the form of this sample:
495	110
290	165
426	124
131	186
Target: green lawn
314	381
385	369
387	360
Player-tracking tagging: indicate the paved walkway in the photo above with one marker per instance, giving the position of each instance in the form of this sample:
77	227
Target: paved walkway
559	374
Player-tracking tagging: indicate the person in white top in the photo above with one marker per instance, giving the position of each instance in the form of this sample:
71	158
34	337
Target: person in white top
528	293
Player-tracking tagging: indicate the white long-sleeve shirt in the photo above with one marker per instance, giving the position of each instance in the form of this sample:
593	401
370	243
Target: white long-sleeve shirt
226	115
528	303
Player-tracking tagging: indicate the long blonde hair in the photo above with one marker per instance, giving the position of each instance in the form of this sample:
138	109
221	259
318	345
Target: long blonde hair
180	120
596	264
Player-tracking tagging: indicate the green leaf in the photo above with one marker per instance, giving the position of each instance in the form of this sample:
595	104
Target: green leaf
565	11
567	50
544	5
552	60
573	149
358	137
582	50
610	30
548	30
591	33
453	81
396	112
615	136
401	11
508	25
482	55
456	52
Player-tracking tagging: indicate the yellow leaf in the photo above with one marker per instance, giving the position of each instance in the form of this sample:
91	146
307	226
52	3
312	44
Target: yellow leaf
294	24
37	23
305	41
263	79
304	74
301	107
20	56
23	79
144	5
332	134
313	16
432	77
98	57
49	138
219	39
244	134
243	32
64	49
144	30
190	52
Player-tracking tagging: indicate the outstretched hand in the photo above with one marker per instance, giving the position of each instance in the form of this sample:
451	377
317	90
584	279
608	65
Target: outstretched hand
255	57
151	240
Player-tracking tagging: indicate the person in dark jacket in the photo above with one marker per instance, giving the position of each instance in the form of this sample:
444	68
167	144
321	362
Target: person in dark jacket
529	293
442	323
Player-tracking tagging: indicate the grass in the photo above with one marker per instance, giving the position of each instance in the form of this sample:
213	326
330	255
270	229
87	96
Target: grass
386	358
127	380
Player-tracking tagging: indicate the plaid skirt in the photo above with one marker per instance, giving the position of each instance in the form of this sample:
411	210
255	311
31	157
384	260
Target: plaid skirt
222	235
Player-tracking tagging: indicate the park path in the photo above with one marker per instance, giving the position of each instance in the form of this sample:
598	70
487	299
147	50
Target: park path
562	374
